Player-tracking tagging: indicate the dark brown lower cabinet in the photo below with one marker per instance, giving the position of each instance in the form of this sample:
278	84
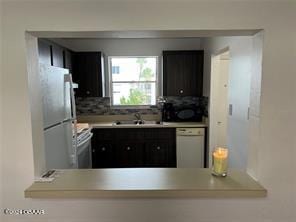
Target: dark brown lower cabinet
130	154
134	148
102	155
160	154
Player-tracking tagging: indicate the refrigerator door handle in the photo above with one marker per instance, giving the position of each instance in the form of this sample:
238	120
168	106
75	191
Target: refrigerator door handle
68	78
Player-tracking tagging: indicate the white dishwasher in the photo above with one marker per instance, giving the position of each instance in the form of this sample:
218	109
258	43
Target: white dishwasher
190	147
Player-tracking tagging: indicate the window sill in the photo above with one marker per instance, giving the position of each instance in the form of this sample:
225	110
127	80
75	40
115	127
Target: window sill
147	183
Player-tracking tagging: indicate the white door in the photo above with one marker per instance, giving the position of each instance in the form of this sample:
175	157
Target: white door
222	102
56	95
219	101
58	146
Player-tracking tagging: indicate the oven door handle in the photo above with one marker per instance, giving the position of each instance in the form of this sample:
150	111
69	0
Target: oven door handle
85	140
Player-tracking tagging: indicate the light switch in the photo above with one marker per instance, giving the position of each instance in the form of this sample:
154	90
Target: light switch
230	109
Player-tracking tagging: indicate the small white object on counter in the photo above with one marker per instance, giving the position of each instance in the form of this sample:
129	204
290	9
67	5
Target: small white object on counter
49	176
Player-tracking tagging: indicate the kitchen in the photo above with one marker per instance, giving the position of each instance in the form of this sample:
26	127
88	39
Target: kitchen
270	153
135	102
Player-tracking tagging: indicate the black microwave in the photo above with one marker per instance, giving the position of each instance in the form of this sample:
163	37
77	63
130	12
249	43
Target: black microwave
181	113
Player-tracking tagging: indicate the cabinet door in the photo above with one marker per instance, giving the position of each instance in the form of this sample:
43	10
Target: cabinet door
44	50
183	73
52	54
87	73
57	56
103	155
130	154
68	60
160	154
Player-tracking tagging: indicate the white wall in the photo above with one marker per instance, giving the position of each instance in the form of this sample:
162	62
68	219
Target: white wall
130	47
276	143
238	92
255	97
1	107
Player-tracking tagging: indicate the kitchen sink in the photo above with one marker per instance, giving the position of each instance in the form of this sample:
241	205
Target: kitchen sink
136	122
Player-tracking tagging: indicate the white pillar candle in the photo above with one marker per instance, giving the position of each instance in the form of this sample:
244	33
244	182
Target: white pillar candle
220	161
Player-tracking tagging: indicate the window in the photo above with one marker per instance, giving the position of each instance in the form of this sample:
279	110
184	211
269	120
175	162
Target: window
115	70
133	81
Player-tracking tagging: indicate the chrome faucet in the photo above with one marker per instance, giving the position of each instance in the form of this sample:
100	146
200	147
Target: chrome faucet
138	116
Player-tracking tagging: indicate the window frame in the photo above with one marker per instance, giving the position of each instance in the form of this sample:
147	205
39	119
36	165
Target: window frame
157	83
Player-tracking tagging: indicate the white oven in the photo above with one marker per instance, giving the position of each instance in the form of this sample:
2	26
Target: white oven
83	153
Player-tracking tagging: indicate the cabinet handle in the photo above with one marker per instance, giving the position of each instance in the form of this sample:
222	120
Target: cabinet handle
128	148
87	92
181	91
103	149
158	148
93	150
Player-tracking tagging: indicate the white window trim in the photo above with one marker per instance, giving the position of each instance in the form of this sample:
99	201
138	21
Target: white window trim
157	84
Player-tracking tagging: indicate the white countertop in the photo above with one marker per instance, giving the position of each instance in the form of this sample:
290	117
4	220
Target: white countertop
163	125
146	183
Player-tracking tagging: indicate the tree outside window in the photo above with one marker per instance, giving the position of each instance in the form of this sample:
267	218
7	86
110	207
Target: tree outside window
136	83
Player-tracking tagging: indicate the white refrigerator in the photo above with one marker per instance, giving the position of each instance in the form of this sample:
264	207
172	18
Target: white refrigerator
58	117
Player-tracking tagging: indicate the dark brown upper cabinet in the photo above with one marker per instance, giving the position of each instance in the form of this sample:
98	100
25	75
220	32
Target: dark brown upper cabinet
45	50
57	56
68	57
88	73
86	67
53	54
183	73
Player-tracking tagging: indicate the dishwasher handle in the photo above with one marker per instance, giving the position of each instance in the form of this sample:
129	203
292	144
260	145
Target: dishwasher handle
190	131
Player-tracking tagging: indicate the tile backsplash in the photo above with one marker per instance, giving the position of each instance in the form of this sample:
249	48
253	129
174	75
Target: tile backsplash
102	106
